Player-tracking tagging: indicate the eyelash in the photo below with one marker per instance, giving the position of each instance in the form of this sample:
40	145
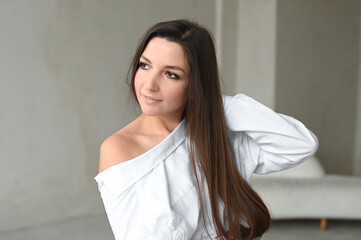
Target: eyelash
170	75
143	65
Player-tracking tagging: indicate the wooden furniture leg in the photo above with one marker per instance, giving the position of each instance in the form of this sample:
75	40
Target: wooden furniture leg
323	224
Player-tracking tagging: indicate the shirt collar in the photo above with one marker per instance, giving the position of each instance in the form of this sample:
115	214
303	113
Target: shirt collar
122	176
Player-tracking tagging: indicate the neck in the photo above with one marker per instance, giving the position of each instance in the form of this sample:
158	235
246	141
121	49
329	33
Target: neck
158	125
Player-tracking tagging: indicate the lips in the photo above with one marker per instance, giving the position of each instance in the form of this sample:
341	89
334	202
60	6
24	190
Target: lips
150	99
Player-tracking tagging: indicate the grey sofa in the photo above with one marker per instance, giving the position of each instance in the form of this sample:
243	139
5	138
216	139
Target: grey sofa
306	192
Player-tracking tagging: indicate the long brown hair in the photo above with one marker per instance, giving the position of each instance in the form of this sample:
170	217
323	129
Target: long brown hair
210	151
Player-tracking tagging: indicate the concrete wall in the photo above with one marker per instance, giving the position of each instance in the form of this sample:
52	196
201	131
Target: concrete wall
256	59
357	145
62	70
317	73
301	58
248	48
227	54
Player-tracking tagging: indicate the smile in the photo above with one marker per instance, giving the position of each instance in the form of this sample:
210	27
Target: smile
150	99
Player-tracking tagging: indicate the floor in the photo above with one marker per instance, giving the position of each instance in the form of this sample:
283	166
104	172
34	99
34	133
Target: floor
96	227
90	228
310	230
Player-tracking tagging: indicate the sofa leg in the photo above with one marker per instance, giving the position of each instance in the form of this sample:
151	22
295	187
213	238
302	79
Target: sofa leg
323	224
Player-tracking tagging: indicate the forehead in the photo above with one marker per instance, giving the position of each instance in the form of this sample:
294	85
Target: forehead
163	52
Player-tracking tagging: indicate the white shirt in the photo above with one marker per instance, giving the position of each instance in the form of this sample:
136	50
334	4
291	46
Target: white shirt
154	196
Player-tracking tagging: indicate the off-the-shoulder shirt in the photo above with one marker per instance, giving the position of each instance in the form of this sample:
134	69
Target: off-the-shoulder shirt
154	196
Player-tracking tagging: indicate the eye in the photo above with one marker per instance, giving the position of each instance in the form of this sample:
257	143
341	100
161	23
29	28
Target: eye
172	75
143	65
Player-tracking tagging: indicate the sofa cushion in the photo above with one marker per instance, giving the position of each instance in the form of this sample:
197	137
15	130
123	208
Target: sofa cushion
332	196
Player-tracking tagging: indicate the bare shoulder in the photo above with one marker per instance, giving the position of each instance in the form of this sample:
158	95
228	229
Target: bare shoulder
116	149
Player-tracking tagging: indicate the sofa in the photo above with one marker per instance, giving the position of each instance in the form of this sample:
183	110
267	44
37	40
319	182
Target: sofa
307	192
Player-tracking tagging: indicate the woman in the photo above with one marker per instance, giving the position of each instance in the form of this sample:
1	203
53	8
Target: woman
181	169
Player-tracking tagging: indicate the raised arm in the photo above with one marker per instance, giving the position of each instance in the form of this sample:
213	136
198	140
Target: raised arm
270	141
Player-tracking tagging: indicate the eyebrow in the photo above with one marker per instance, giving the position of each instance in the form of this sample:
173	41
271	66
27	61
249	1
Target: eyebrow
167	66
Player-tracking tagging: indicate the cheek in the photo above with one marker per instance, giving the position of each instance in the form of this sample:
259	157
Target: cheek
179	94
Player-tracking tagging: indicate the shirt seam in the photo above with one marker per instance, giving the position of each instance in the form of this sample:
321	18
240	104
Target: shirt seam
181	197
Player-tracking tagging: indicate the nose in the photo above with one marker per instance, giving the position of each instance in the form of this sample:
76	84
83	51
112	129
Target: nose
152	83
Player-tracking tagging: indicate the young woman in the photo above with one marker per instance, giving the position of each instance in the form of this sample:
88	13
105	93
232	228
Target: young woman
181	169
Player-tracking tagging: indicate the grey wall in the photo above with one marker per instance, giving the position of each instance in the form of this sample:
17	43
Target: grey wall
302	59
317	73
248	48
228	45
357	145
62	70
256	50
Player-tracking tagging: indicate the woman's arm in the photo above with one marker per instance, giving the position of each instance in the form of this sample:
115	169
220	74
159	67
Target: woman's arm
270	140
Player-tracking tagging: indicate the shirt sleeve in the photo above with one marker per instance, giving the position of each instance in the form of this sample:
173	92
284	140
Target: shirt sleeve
269	141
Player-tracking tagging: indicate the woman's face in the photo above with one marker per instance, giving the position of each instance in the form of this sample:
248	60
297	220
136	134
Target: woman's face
162	79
